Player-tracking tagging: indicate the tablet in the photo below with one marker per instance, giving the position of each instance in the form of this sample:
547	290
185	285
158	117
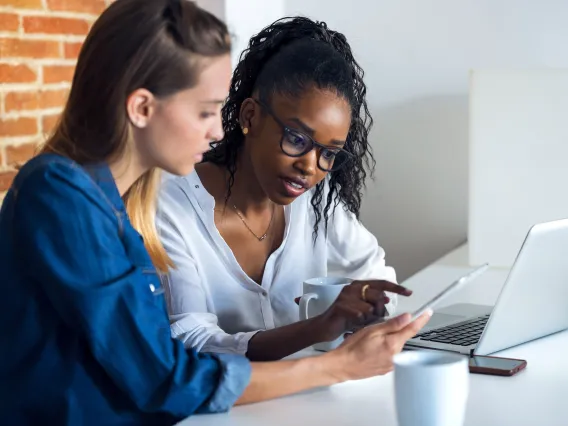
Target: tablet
470	276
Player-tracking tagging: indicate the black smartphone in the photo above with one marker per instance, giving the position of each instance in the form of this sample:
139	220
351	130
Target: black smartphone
495	365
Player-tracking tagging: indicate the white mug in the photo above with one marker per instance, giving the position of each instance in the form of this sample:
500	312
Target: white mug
431	388
319	295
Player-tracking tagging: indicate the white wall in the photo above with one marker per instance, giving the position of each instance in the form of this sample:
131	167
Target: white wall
216	7
518	150
417	55
246	18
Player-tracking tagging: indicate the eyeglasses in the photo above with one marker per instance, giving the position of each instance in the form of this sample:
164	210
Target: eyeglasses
295	143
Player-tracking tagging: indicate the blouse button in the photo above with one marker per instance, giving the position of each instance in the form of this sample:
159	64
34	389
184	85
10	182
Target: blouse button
197	186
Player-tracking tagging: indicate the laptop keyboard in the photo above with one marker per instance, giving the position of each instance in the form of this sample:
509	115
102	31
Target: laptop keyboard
464	333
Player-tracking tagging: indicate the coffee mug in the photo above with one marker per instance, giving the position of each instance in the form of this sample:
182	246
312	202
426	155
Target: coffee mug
319	295
431	388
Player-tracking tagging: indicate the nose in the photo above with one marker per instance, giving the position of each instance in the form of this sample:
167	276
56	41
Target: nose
216	132
307	164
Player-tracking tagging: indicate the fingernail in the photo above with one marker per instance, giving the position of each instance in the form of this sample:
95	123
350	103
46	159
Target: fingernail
387	299
429	312
297	300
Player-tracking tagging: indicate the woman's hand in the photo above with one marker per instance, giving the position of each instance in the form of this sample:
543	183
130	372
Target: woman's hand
370	351
359	303
367	353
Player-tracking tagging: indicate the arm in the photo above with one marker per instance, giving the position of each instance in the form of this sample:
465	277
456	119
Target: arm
367	353
81	266
291	377
283	341
354	252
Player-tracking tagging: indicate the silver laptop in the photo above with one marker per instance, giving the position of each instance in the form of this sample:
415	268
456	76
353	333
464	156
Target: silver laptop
533	302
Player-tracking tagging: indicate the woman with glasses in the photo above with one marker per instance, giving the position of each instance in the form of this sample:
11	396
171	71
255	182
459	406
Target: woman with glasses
277	202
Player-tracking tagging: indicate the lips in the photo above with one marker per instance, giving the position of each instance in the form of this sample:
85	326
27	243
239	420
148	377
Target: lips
294	186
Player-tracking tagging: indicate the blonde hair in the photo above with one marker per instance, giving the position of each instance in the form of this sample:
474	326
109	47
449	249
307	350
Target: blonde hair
140	201
143	44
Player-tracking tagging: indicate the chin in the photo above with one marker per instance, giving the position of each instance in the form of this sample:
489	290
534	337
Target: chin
281	199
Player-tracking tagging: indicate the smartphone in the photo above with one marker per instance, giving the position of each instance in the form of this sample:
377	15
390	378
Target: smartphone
452	287
495	365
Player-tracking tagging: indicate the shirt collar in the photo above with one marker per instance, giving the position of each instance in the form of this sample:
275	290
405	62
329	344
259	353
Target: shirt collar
100	173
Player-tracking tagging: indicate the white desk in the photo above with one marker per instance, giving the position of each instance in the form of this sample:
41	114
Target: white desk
534	397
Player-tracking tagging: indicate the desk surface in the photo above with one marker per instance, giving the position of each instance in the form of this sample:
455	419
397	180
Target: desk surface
533	397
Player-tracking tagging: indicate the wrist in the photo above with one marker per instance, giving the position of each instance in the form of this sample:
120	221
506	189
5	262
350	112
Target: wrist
325	329
316	329
332	365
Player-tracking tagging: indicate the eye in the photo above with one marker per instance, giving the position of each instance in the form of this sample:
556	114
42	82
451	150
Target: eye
205	115
297	139
327	154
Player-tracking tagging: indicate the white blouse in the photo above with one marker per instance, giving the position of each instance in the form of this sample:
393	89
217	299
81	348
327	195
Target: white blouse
214	306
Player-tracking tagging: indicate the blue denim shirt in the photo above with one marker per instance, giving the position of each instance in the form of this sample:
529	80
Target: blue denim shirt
84	332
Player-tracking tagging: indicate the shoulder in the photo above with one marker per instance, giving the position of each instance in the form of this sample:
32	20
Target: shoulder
47	168
58	181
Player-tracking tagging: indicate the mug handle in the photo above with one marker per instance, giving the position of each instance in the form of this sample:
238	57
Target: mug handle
304	301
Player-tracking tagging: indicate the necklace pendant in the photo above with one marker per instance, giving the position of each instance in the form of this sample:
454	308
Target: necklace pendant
262	238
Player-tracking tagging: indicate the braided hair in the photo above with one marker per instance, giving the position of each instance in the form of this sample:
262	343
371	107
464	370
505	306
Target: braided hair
288	57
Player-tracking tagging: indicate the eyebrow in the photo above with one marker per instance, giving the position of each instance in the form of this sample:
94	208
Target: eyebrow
311	131
214	101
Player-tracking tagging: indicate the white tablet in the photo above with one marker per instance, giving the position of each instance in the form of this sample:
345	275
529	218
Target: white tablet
470	276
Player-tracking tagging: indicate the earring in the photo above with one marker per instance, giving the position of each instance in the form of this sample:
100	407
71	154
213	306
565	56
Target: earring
245	130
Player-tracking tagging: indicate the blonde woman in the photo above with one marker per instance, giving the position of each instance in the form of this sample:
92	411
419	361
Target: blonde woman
84	324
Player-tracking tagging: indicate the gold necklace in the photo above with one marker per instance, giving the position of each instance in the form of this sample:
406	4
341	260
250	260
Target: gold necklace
262	237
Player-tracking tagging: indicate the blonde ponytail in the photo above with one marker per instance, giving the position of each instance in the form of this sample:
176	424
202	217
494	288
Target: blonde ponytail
140	201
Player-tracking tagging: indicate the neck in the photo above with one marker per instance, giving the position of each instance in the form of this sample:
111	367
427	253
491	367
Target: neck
125	171
247	194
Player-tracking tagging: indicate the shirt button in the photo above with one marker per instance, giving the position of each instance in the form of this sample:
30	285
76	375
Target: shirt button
197	186
264	293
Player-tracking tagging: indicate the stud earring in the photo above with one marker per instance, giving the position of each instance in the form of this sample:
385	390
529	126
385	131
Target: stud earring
245	130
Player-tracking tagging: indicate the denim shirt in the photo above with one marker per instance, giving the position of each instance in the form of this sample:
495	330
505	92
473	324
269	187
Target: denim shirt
84	333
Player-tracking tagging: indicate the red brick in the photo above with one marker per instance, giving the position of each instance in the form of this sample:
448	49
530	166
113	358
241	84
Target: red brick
53	98
58	73
48	122
23	126
72	50
9	22
17	74
23	4
94	7
13	47
44	99
18	101
19	154
6	179
49	25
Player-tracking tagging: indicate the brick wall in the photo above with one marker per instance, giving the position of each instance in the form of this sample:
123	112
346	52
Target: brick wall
39	44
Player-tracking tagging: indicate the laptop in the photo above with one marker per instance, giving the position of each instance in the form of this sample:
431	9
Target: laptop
533	302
